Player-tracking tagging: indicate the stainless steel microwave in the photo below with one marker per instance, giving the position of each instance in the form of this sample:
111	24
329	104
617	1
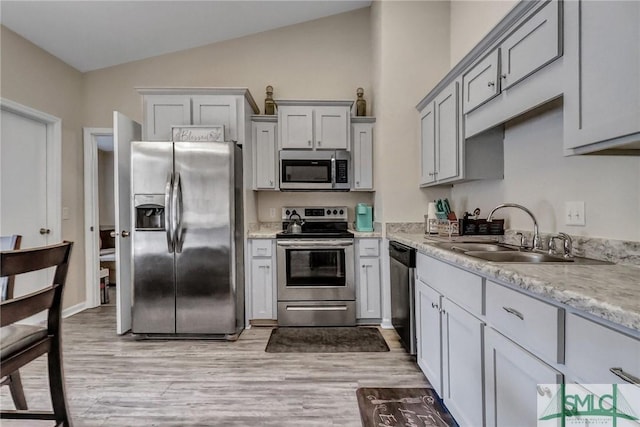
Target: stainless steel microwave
315	170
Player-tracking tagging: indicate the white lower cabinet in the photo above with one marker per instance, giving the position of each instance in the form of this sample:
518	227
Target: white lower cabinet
462	364
449	340
368	288
429	333
261	290
513	376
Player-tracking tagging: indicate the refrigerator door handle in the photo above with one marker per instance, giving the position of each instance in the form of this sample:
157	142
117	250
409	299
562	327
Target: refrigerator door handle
177	213
168	226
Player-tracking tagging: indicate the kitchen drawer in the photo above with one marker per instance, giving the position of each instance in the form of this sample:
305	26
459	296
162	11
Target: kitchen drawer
261	247
368	247
533	324
458	285
593	349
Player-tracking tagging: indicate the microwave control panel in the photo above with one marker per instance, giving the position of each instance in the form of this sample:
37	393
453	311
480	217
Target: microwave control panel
342	172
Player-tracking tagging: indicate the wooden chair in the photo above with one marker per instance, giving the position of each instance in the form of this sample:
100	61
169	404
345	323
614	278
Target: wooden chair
6	292
20	344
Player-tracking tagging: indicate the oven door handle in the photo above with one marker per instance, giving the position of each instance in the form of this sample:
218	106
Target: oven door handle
316	244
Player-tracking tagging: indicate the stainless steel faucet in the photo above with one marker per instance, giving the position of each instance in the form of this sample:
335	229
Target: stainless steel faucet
537	243
567	244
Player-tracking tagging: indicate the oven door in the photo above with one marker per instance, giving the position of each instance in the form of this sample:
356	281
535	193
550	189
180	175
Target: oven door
315	270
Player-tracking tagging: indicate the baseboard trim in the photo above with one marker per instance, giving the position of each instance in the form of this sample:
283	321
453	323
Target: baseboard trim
386	324
74	309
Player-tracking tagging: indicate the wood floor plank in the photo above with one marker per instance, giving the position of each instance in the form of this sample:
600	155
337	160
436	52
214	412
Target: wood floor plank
118	381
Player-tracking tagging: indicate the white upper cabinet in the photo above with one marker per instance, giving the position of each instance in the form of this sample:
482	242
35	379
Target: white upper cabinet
602	77
534	44
216	110
428	145
265	163
441	138
530	46
296	127
314	125
448	133
167	107
163	111
481	83
332	127
362	154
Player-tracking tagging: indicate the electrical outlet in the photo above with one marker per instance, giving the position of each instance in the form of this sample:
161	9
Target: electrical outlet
272	213
574	213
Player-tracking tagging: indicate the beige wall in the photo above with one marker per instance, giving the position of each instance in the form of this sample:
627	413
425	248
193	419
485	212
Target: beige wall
34	78
328	58
471	20
411	54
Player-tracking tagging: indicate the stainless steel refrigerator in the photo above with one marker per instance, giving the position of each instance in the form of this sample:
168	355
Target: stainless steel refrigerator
188	264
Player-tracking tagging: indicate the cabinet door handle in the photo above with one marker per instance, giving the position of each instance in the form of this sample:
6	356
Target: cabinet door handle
45	231
514	312
504	76
491	84
434	305
620	373
270	182
319	142
309	142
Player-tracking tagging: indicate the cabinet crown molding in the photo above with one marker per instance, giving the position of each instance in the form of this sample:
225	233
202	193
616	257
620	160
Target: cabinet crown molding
314	102
242	91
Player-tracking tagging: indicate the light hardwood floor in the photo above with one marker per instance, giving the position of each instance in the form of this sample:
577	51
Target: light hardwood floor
117	381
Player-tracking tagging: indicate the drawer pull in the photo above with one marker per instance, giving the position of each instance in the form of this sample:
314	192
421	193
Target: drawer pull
514	312
625	376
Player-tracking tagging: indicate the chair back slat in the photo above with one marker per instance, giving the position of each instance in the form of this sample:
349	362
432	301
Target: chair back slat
20	308
8	243
27	260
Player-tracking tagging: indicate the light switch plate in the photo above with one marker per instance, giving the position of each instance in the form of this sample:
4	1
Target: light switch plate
65	213
574	213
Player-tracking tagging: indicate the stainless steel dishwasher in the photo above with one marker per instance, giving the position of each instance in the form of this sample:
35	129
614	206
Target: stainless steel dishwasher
402	261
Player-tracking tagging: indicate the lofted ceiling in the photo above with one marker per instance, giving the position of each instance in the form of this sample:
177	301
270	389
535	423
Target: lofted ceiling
89	35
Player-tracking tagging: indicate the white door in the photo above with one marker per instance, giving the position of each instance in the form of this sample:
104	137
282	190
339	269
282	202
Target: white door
125	130
24	189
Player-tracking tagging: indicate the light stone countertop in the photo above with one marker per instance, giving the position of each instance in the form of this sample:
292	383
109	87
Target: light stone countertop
611	292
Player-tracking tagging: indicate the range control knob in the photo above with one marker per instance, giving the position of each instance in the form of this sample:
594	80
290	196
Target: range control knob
287	212
341	211
335	212
328	212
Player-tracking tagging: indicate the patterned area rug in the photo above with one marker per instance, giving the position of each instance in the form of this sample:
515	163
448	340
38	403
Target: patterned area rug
402	407
326	340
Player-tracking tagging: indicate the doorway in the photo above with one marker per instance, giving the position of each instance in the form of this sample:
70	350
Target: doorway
99	216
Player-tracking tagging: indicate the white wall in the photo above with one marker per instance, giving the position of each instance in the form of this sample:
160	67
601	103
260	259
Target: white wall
538	176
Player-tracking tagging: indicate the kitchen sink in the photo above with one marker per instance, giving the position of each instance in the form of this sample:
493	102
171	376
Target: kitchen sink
475	246
515	256
530	257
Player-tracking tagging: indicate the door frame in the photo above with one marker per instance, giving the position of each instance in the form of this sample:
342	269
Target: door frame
91	214
54	161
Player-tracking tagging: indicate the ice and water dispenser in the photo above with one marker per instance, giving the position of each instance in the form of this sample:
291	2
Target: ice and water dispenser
149	210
